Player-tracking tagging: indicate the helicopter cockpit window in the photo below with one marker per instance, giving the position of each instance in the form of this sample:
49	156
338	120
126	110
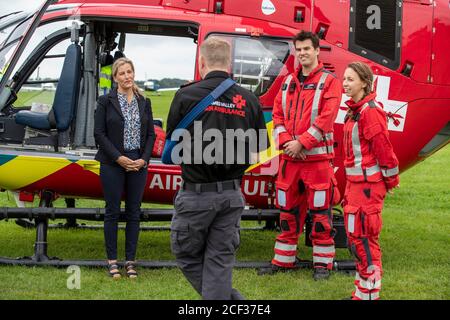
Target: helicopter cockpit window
375	30
8	22
41	33
256	63
9	39
38	88
38	91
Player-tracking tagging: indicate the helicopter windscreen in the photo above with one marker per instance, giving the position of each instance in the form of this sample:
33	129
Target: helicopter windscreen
10	37
8	22
13	46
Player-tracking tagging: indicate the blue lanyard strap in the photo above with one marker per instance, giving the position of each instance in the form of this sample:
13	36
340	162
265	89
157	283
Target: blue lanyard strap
202	105
194	114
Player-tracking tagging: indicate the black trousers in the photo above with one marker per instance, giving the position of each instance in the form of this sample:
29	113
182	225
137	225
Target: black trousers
204	239
116	181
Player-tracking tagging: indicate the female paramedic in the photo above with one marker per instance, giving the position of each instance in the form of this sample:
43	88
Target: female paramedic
125	135
371	169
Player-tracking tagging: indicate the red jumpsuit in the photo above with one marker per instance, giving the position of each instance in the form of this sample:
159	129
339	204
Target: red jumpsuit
306	112
371	169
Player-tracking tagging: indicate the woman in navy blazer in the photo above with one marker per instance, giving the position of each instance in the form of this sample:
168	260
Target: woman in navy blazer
125	136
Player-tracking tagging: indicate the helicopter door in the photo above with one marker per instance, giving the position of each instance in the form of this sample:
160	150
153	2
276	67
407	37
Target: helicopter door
16	30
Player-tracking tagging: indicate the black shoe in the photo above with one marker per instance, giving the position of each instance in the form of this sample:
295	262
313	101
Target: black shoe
302	264
298	264
272	270
268	270
321	274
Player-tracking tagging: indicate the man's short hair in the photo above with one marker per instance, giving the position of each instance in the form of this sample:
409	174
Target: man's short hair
305	35
217	52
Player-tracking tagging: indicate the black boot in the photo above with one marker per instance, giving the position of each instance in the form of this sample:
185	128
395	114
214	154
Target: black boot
321	274
298	264
270	270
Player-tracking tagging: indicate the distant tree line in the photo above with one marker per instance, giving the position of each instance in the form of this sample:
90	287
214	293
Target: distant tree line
165	82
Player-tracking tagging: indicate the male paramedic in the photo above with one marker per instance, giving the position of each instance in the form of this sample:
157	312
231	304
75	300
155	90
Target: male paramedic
303	116
209	204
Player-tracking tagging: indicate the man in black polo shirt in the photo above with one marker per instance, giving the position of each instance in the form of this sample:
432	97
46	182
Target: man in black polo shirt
217	149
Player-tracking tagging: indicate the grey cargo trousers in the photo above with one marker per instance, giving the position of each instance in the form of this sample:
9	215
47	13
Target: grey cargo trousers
204	239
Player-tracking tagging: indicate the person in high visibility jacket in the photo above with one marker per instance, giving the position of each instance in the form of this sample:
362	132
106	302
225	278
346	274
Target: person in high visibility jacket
303	116
105	82
371	170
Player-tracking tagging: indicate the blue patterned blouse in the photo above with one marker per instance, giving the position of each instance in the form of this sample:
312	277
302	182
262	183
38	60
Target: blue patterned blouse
132	127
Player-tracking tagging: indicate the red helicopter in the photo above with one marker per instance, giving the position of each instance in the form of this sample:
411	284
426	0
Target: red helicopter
52	154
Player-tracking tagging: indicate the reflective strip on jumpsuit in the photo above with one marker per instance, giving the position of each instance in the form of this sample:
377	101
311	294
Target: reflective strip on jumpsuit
105	83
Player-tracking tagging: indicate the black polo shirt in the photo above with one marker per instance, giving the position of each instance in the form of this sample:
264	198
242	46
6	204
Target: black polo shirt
237	108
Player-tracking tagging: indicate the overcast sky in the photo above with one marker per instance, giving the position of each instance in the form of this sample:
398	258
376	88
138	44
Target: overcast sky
155	57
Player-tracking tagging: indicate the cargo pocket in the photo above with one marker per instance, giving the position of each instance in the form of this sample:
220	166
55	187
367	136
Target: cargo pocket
187	204
232	239
237	203
319	196
180	239
353	220
373	221
282	190
237	237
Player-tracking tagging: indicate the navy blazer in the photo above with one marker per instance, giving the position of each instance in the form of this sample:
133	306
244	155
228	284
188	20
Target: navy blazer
109	126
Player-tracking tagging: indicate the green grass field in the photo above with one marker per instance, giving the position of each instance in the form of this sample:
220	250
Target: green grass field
160	102
415	243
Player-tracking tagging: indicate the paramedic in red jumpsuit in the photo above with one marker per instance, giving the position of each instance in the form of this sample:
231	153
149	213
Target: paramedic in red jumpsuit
303	116
371	169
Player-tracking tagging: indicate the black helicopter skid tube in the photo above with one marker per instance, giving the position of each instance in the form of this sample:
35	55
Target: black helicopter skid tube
25	216
83	226
41	216
339	265
97	214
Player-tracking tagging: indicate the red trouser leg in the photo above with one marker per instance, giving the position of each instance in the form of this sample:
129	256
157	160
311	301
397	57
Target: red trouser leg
322	239
362	213
320	183
291	228
292	204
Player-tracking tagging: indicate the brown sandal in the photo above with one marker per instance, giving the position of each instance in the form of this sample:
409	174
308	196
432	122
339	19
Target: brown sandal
113	270
130	268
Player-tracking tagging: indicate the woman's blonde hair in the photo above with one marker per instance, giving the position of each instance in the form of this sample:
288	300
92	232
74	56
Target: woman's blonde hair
115	68
365	74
